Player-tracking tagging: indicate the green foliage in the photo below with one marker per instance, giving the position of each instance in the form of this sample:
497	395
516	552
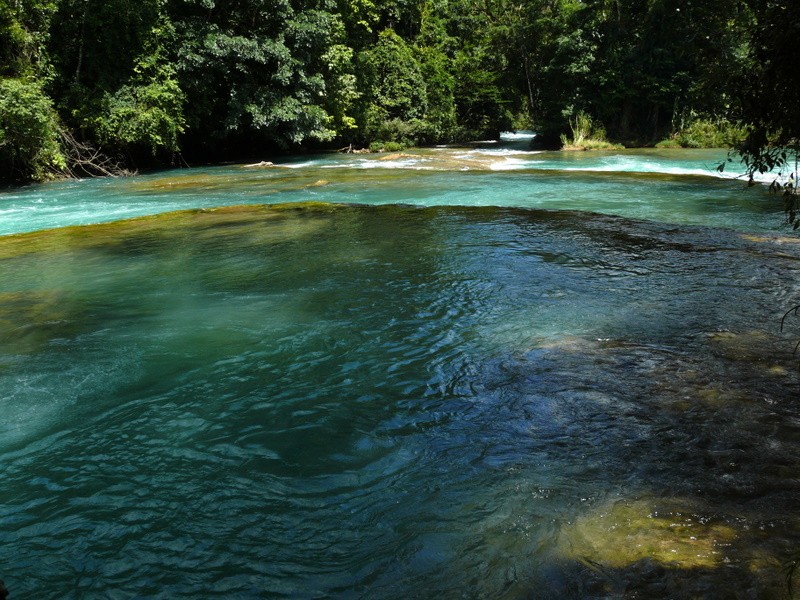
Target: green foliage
381	146
405	133
95	45
394	93
582	128
262	76
769	103
440	116
148	114
215	79
636	66
342	87
669	143
392	81
147	111
24	26
586	135
706	133
360	18
29	132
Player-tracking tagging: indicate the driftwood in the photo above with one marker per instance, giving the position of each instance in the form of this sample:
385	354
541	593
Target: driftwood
350	150
84	160
263	163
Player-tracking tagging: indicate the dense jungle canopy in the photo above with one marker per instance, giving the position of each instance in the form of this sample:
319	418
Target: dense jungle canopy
87	86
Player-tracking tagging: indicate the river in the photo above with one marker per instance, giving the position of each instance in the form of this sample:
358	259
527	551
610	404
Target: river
474	372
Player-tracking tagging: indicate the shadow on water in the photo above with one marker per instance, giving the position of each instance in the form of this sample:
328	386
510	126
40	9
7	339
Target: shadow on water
390	402
679	483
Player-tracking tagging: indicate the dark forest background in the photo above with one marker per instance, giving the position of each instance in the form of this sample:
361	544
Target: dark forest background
92	86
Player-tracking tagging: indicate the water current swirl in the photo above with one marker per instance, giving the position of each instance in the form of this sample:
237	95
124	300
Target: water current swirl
393	401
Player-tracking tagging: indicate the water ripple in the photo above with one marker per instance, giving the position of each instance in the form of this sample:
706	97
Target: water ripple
394	402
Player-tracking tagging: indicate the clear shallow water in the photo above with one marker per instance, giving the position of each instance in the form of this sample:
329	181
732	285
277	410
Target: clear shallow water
673	186
394	401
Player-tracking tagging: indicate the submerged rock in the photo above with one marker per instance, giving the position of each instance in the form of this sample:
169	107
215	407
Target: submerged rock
396	156
672	548
30	319
626	532
742	345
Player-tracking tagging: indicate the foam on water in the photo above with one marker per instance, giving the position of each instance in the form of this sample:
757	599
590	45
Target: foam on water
383	162
517	136
498	152
508	174
298	165
511	164
597	162
408	163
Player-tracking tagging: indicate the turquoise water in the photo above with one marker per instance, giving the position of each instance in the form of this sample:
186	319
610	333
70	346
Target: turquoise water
413	399
672	186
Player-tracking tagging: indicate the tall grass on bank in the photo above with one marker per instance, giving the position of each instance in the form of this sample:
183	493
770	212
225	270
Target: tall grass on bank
706	133
586	135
